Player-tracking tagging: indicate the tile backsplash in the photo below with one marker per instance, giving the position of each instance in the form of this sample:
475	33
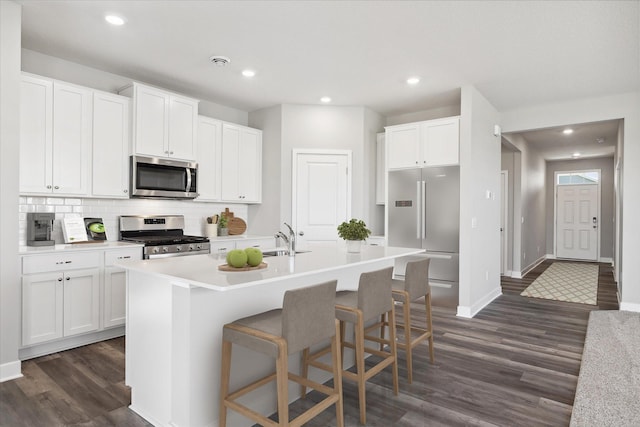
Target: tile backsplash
110	210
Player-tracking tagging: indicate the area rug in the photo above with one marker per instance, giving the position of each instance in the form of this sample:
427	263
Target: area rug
608	392
566	281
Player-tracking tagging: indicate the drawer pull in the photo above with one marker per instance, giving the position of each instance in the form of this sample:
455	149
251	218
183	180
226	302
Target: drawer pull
124	257
222	249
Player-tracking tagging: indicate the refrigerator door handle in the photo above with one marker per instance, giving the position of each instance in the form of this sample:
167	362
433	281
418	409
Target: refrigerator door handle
418	209
424	209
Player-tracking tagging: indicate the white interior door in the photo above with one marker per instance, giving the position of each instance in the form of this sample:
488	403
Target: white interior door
321	194
577	222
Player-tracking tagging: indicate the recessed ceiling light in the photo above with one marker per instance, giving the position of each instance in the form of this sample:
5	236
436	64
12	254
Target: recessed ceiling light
325	99
576	154
413	80
248	73
568	131
114	20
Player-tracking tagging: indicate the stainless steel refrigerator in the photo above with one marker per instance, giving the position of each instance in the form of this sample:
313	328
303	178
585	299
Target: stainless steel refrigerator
424	212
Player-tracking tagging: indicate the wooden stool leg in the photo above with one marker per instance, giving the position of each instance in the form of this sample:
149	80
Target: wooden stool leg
224	381
427	302
393	347
342	329
337	375
359	338
407	338
282	378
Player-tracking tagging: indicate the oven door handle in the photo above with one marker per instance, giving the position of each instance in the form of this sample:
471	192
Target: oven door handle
188	189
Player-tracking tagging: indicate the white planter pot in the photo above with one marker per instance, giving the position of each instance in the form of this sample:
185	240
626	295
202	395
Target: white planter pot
353	246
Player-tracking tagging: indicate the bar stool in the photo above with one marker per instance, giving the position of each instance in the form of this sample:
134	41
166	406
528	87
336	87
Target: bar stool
306	318
372	300
415	286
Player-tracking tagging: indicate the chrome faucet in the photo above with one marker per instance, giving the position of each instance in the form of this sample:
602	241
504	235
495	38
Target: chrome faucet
281	235
291	241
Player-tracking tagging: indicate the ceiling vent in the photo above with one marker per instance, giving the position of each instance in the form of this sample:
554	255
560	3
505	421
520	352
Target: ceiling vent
220	61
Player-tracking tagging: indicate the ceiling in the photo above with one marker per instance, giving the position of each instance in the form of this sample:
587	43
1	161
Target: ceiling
516	53
597	139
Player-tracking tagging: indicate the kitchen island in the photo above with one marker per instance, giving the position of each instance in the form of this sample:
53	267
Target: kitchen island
175	314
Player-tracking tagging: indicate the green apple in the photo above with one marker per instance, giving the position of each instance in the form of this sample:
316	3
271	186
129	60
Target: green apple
237	258
97	227
254	256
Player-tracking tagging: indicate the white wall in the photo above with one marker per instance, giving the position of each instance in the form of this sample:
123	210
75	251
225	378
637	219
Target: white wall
507	163
623	106
479	173
10	40
323	127
265	218
606	220
418	116
532	219
60	69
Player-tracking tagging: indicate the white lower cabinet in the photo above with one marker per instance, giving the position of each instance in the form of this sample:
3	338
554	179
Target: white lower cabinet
68	294
260	243
60	304
115	286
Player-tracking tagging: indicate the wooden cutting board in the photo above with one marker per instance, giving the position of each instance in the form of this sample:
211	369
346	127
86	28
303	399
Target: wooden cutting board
236	226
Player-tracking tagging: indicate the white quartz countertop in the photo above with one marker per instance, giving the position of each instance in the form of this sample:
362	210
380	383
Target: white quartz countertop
202	270
106	245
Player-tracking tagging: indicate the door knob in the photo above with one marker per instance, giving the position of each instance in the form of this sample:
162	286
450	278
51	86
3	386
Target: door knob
301	233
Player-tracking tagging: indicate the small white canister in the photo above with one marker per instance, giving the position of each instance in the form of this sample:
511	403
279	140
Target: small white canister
211	230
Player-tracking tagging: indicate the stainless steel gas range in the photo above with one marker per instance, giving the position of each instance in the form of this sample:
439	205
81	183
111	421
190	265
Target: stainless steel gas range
162	236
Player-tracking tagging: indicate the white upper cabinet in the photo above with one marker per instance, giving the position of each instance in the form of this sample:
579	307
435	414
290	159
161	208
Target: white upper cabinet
428	143
55	139
209	159
241	164
402	146
110	146
164	124
439	142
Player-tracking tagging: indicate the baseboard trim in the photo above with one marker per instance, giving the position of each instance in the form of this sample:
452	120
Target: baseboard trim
50	347
470	311
521	274
10	371
627	306
606	259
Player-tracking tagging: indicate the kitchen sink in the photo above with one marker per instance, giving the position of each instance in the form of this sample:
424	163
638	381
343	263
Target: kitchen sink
280	252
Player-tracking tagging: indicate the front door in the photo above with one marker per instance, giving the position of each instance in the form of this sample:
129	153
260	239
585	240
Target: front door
577	222
321	194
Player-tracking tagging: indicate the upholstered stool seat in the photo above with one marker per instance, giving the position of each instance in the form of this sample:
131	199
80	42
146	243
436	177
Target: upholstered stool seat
307	318
372	300
414	287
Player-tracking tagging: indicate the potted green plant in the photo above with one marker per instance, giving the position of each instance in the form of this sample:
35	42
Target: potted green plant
353	232
222	226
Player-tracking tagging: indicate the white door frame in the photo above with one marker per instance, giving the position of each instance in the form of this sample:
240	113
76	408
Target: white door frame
294	177
504	177
555	207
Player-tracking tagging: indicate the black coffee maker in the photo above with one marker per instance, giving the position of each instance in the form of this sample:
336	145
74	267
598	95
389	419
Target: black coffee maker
39	227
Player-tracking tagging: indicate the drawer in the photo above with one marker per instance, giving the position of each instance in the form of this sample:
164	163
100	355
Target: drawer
59	262
266	243
110	257
222	247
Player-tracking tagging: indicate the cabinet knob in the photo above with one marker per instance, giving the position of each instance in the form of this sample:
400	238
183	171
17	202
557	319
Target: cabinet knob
56	187
170	152
126	191
166	152
68	278
416	162
59	279
48	187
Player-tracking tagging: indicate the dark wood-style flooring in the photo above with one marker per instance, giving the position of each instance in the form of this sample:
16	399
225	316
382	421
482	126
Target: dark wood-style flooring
515	364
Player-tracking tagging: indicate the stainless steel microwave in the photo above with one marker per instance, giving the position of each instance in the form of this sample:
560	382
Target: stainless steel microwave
163	178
